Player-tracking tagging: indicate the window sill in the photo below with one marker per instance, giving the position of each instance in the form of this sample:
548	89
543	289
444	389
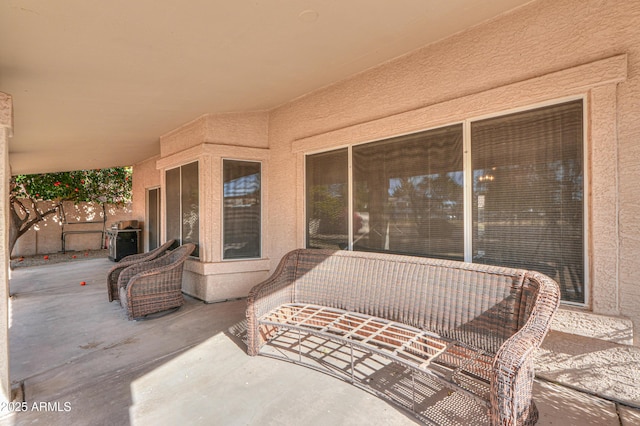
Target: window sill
234	266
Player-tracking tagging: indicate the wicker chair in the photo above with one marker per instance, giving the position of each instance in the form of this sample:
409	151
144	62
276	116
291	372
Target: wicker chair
125	262
154	286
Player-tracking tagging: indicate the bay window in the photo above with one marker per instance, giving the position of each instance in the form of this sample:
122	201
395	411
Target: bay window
241	209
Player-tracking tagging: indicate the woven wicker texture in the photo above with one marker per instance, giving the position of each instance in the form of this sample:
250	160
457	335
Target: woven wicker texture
501	313
125	262
155	285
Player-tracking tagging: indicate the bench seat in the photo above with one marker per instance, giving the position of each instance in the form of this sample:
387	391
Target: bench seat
401	326
451	363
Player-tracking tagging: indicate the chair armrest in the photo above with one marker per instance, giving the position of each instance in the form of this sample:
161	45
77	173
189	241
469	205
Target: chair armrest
269	294
136	257
115	271
135	268
114	275
150	255
155	280
513	366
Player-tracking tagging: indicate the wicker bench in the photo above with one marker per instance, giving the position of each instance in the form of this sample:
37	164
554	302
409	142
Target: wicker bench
396	325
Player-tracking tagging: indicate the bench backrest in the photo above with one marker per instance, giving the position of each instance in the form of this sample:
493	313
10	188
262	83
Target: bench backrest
480	305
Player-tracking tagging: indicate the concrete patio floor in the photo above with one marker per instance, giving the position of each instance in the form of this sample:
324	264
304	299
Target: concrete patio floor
75	359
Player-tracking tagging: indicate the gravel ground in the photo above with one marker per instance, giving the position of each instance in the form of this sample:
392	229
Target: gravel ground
45	259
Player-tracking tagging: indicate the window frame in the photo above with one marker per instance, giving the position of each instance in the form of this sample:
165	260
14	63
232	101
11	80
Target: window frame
468	179
166	198
147	216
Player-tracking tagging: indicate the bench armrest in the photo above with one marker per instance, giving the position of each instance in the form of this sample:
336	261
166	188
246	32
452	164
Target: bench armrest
266	296
513	366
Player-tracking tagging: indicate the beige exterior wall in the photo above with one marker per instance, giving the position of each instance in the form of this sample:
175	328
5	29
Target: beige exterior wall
145	177
46	236
6	128
240	129
544	52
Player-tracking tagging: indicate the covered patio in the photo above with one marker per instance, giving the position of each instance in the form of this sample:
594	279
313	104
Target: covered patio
77	357
223	108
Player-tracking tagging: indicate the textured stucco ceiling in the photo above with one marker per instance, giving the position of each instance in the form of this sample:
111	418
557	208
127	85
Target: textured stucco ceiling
95	83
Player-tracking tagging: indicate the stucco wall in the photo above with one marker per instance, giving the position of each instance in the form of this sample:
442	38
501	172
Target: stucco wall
241	129
545	51
540	39
145	176
45	237
6	130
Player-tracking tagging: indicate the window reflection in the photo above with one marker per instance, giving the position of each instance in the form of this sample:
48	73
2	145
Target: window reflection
327	200
183	206
408	195
242	210
526	182
528	193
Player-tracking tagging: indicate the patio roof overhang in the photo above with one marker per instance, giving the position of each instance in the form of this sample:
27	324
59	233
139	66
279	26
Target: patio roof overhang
94	84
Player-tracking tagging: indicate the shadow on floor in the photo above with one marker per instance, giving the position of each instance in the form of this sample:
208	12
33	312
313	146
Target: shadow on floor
82	363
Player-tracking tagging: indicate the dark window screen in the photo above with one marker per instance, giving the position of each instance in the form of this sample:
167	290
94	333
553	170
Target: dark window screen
327	200
153	209
190	206
528	193
182	206
408	195
172	181
242	209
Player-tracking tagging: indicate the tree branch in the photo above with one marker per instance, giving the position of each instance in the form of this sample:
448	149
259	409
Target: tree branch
27	224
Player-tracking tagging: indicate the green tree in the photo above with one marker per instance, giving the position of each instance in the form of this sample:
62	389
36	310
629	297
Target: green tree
104	186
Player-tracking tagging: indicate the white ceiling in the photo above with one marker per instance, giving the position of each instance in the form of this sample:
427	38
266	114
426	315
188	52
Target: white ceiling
95	83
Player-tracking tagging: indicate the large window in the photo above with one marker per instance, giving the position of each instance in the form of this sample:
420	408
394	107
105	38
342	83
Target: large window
242	209
182	205
327	203
523	205
408	193
153	218
528	193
